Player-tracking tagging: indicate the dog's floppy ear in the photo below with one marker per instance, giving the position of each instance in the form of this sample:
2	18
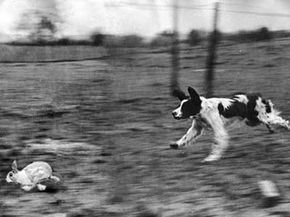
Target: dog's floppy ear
193	95
179	94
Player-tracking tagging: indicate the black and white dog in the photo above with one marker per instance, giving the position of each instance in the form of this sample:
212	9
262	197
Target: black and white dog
217	113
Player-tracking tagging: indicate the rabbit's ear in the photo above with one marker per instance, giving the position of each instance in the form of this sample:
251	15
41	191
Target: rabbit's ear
14	166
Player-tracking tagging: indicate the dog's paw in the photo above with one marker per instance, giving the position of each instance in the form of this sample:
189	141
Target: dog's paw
174	145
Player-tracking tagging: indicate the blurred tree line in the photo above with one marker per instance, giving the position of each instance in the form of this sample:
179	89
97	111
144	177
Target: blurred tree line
41	29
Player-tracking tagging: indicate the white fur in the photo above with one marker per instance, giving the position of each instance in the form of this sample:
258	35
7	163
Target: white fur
177	111
241	98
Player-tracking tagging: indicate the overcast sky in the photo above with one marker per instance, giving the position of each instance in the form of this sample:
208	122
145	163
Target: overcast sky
147	17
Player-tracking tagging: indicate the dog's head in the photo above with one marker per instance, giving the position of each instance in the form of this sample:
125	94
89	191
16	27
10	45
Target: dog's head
189	106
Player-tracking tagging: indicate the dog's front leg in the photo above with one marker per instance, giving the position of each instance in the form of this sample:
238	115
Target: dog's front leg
221	137
193	132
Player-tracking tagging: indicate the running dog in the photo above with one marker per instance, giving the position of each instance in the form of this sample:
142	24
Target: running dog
217	113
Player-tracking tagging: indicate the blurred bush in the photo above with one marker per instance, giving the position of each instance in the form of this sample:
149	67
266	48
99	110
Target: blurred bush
163	39
128	41
64	41
261	34
97	39
195	37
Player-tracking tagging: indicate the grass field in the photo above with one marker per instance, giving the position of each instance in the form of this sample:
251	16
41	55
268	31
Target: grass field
105	127
10	53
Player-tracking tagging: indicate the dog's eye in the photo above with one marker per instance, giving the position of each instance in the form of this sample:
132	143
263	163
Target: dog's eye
11	174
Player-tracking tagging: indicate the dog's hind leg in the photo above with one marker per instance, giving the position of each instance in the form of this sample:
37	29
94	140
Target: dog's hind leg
270	117
273	119
193	133
281	122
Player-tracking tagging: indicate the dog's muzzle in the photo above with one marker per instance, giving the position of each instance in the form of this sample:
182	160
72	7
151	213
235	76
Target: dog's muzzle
176	116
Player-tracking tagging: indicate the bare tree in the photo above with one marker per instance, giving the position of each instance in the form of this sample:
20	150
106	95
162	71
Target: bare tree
38	26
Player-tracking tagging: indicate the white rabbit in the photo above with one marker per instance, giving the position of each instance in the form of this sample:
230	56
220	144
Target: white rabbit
31	176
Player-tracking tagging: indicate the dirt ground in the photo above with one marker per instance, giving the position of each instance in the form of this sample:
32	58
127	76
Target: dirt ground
105	126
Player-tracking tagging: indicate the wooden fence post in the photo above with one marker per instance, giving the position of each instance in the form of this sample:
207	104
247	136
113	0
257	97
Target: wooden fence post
210	62
174	50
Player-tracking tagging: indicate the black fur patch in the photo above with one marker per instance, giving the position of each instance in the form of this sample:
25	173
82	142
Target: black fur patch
243	110
190	108
179	94
268	107
251	112
236	109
